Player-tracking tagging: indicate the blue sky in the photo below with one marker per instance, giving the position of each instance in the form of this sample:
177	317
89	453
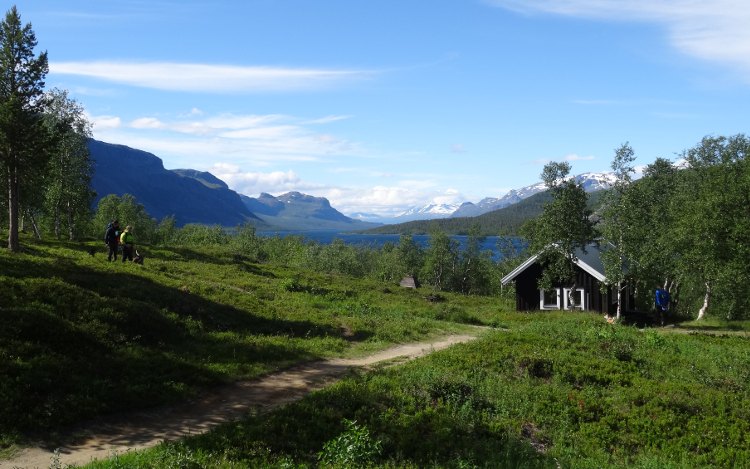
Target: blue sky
380	106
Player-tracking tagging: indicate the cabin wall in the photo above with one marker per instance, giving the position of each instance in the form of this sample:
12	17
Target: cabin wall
527	291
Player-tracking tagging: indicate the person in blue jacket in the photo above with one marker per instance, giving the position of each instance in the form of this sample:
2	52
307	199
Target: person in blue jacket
661	301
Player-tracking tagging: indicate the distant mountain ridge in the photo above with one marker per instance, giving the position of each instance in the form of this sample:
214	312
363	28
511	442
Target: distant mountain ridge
193	196
120	170
296	211
506	221
429	211
591	182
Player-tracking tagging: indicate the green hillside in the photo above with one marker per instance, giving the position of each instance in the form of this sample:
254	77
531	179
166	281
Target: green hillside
81	337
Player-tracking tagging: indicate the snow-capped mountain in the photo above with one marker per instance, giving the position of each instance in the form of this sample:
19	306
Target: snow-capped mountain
591	182
427	212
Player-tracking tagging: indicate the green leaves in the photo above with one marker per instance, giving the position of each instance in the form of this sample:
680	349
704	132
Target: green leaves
563	226
22	143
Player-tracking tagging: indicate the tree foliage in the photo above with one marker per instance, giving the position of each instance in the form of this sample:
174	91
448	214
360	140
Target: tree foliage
687	230
614	228
441	259
67	191
712	233
563	227
22	154
127	211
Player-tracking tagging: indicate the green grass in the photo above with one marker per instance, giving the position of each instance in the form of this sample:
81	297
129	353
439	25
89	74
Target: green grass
716	324
81	337
556	389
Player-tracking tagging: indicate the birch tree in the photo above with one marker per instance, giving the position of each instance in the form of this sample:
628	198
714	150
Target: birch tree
440	262
563	227
67	192
615	226
713	230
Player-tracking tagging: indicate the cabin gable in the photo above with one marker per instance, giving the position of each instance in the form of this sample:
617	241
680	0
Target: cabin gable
589	280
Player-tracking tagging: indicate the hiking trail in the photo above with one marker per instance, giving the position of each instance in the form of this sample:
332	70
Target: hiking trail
99	439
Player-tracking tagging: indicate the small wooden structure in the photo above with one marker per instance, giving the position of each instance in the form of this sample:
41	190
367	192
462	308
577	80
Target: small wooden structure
409	282
589	294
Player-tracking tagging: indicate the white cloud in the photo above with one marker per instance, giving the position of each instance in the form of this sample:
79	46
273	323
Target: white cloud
207	77
710	30
328	119
450	196
249	140
101	123
386	201
147	123
253	183
574	157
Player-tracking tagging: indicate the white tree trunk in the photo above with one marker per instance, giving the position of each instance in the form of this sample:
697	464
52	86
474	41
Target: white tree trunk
619	301
71	236
702	311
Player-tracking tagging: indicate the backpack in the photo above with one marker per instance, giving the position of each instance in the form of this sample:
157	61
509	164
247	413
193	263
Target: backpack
109	232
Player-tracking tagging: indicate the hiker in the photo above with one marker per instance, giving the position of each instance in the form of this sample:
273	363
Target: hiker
111	239
661	301
127	241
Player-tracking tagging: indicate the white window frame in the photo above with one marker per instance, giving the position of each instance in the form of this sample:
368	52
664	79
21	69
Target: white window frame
549	306
580	304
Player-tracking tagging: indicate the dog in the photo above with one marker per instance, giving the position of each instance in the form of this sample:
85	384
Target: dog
138	259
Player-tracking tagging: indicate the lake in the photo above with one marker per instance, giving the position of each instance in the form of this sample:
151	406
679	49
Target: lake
376	241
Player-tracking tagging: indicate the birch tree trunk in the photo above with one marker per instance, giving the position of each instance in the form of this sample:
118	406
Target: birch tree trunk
702	311
34	226
619	301
70	222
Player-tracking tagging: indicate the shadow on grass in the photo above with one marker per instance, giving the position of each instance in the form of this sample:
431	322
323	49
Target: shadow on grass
77	343
438	435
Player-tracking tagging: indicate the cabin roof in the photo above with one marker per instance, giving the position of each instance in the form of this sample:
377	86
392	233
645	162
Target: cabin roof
590	260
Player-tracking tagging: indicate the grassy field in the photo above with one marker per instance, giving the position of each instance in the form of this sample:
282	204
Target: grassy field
81	337
557	390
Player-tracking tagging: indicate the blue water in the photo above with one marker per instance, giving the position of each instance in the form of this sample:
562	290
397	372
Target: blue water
377	241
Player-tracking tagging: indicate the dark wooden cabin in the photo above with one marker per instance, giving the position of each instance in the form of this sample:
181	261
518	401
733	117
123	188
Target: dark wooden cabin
589	295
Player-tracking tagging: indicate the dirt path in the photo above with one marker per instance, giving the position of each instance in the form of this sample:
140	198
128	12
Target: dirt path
100	439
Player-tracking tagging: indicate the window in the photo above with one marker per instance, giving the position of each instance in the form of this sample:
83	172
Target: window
579	299
549	299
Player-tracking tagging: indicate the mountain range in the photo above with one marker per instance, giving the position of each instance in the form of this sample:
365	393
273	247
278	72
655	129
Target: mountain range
193	196
591	182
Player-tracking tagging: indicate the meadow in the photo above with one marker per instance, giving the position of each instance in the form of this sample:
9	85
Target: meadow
81	337
555	390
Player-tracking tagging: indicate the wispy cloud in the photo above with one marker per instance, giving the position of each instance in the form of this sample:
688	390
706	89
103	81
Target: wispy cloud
574	157
190	77
328	119
246	140
387	201
383	200
716	30
255	182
